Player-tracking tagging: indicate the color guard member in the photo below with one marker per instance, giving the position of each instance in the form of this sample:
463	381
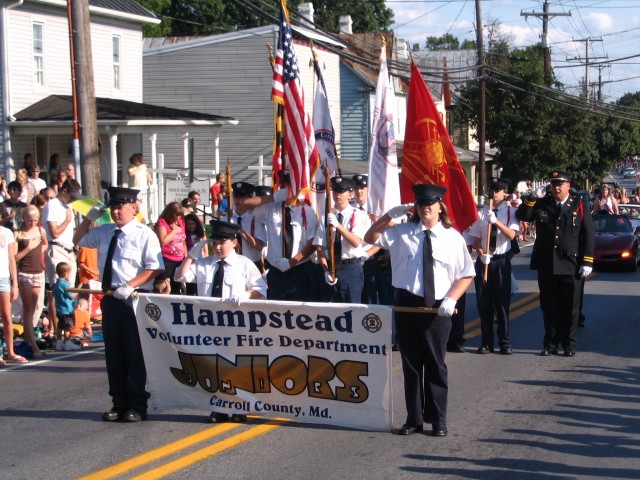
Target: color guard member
494	296
431	267
349	226
129	258
224	275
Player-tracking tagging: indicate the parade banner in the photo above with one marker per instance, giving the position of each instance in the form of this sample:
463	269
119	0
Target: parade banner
308	362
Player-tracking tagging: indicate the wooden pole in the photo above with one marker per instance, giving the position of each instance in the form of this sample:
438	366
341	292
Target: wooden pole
330	229
486	267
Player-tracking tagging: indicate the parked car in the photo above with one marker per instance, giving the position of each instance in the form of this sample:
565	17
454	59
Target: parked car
615	242
629	173
632	212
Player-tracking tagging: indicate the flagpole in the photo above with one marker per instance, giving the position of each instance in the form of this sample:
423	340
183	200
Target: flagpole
328	226
486	267
229	192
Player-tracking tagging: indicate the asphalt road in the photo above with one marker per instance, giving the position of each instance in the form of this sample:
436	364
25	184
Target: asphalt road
510	417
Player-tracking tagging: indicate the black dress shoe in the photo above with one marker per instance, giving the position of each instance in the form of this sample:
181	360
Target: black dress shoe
456	349
216	417
485	349
506	350
439	430
547	352
238	418
407	429
112	415
134	416
569	353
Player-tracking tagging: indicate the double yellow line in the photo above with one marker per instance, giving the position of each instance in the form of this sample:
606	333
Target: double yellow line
182	444
472	329
519	307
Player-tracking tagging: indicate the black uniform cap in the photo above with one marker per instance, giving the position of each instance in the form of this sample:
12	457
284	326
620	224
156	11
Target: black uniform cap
361	180
427	193
222	230
243	189
341	184
560	176
263	191
499	183
120	196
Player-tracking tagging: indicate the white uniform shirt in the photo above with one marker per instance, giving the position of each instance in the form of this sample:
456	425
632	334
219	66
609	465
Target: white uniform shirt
507	215
405	242
240	275
303	220
354	220
56	211
138	249
254	227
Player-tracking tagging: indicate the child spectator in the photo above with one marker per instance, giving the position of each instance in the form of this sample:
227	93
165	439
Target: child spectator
162	285
65	306
81	329
87	267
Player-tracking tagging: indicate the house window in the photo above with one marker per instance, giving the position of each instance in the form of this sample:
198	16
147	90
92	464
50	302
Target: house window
117	73
38	54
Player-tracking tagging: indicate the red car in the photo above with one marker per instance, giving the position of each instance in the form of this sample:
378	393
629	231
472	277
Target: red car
616	243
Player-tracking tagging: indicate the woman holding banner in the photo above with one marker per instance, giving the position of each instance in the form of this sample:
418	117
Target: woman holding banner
431	267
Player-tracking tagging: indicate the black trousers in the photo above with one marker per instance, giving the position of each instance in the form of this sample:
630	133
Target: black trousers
423	344
494	299
370	272
560	304
456	336
290	285
123	354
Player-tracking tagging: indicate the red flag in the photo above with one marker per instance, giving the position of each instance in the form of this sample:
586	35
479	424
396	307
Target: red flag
299	146
429	156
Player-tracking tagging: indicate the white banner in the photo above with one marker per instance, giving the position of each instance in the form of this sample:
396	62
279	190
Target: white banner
308	362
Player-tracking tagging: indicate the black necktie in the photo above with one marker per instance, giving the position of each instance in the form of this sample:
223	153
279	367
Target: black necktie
494	233
337	240
218	279
559	207
427	268
108	264
361	207
288	233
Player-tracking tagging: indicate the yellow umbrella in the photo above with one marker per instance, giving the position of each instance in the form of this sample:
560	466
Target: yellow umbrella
84	204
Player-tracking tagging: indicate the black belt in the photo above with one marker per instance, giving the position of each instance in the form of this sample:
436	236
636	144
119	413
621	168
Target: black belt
68	250
499	256
349	261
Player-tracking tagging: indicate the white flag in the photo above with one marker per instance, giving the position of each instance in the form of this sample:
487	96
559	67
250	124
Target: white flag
325	140
384	182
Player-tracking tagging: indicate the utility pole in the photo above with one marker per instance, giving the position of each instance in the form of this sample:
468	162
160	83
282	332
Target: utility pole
86	98
587	62
482	124
546	16
601	67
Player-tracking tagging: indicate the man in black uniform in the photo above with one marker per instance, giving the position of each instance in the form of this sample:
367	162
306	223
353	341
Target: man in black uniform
562	254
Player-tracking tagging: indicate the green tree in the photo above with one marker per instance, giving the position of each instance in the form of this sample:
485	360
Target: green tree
534	130
210	17
620	137
444	42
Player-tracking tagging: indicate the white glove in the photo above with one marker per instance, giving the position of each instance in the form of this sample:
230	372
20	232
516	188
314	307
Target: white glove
491	217
485	258
539	192
400	211
196	251
282	264
447	307
585	271
329	279
281	195
332	220
122	293
238	299
96	212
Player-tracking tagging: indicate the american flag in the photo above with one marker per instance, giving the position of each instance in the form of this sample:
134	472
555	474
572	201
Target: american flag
300	152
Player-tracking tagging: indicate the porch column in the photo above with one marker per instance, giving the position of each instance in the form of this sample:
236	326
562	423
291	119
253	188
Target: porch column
113	153
185	150
216	146
153	138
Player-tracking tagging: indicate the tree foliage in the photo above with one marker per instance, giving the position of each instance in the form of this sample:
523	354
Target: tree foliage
210	17
535	131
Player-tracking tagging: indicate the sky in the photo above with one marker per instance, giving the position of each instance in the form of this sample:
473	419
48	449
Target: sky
615	22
